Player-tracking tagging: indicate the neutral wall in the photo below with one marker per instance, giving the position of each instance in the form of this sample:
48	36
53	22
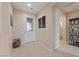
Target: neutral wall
73	14
6	33
50	36
56	28
63	28
1	40
20	20
45	35
59	16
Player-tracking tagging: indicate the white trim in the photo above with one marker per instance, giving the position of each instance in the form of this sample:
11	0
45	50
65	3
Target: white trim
27	43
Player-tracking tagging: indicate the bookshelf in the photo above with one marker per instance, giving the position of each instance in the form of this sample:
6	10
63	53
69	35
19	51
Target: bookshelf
73	32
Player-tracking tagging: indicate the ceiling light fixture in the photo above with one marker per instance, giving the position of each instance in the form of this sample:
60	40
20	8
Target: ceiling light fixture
29	4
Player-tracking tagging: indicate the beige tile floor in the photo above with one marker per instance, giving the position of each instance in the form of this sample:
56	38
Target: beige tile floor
64	46
36	50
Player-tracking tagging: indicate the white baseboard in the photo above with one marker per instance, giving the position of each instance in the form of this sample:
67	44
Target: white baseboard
27	43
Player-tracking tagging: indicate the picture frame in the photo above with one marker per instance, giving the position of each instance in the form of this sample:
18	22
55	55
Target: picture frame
11	20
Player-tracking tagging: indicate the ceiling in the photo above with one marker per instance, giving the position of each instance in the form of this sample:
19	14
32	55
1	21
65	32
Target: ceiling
69	6
37	6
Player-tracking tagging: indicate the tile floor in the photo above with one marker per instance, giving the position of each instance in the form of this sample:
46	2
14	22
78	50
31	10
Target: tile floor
36	50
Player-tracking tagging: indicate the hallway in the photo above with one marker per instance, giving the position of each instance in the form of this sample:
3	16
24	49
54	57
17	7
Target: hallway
42	22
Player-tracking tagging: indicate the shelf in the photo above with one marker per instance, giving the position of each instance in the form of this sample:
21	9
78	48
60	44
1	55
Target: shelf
73	31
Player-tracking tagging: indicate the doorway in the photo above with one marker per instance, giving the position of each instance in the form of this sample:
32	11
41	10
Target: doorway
29	31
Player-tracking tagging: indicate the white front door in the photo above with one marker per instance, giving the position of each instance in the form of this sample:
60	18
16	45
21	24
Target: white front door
29	31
